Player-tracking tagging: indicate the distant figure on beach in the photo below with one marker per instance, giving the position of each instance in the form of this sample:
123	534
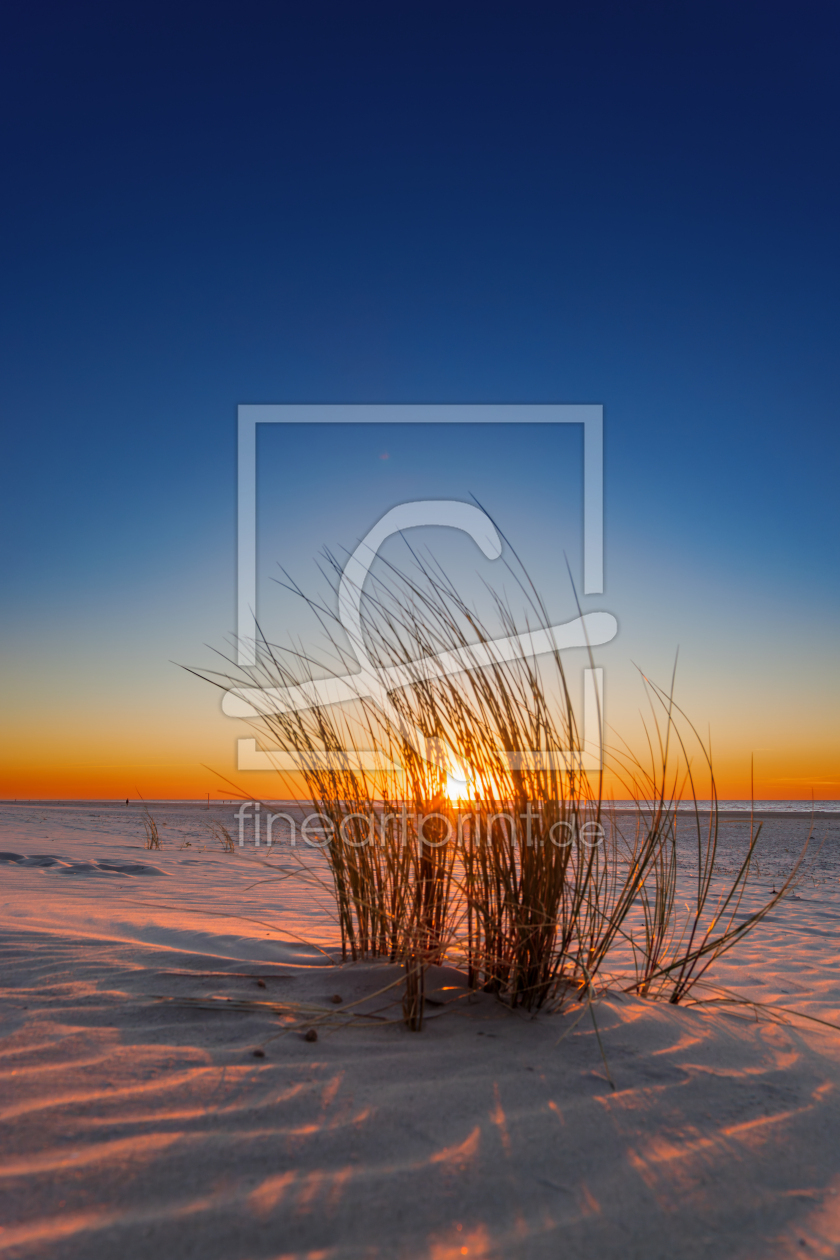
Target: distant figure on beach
126	800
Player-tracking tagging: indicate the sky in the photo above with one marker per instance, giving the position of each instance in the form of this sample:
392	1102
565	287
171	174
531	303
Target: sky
221	204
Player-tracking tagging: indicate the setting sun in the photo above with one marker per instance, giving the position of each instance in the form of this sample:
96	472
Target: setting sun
457	785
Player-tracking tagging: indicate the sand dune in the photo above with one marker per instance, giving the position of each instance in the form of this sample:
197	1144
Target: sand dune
137	1122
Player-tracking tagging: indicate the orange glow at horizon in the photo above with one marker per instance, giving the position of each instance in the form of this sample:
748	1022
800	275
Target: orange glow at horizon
86	765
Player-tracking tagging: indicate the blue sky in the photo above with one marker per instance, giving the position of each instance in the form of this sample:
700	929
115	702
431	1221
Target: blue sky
215	204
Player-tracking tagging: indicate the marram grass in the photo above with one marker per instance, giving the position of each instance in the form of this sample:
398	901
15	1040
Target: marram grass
533	884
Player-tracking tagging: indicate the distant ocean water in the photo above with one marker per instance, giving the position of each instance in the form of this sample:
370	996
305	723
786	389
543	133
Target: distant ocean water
725	806
764	807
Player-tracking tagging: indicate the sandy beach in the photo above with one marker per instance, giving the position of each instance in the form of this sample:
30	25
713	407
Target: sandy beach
138	1122
420	409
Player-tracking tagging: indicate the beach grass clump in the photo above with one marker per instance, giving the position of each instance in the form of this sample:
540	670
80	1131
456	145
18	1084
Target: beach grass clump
686	912
150	827
524	876
220	833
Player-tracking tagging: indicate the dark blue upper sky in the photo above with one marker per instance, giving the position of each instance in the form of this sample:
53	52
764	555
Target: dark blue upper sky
208	204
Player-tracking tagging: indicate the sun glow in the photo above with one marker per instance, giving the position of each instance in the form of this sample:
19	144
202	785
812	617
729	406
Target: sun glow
457	784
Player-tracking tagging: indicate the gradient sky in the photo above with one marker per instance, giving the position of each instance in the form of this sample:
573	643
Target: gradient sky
207	205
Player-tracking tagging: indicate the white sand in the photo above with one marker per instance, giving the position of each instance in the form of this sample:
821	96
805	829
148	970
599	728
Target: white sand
134	1127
